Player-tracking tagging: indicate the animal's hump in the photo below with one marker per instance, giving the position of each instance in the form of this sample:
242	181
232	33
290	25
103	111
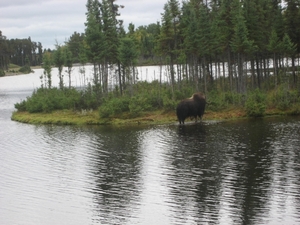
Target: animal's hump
198	96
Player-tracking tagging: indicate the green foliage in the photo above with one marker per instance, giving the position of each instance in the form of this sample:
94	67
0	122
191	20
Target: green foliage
168	103
88	98
255	104
2	73
25	69
127	52
75	46
21	107
146	99
282	98
295	109
220	100
47	62
17	51
113	107
47	100
139	104
59	59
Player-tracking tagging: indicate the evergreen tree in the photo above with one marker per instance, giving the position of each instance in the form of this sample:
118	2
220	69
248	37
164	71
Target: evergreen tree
111	39
75	45
59	60
4	54
289	50
275	47
241	45
94	42
225	30
47	66
128	56
168	40
69	63
292	24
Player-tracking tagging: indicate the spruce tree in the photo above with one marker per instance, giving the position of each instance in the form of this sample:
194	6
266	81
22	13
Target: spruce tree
59	60
240	44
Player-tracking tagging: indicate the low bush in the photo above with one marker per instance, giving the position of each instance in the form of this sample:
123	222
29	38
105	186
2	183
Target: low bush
25	69
47	100
113	107
282	98
221	100
256	104
2	73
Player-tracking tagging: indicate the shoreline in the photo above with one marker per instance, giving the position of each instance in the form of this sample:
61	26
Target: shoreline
69	117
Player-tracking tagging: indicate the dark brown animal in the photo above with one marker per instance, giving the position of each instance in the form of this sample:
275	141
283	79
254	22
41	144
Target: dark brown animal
191	107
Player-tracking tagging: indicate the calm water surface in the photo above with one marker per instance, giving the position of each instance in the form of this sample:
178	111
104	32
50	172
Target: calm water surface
239	172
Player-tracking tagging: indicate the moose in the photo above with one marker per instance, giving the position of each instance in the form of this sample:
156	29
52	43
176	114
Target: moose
191	107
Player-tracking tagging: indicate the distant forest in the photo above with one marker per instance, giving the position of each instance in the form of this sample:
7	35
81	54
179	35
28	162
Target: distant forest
17	50
230	45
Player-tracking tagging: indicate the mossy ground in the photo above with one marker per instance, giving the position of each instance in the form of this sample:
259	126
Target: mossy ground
69	117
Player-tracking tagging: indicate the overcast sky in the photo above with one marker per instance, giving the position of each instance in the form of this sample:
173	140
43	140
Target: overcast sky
48	21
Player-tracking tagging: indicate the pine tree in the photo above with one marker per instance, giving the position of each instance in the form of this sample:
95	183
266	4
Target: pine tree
94	37
47	66
188	24
275	47
69	63
241	45
292	24
75	44
4	54
59	60
128	55
168	40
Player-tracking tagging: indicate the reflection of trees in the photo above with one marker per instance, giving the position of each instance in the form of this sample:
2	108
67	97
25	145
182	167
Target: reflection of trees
194	175
252	156
223	172
117	168
285	170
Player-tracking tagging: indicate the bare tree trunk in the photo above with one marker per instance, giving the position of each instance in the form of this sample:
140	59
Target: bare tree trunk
275	69
229	70
120	78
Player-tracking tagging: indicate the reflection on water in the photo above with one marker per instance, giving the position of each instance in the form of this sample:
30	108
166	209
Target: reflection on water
238	172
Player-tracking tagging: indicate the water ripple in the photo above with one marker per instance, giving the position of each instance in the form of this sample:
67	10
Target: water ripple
205	173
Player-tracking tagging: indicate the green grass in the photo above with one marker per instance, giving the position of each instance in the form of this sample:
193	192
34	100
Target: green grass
69	117
63	117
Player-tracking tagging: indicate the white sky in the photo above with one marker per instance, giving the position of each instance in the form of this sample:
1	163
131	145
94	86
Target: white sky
51	21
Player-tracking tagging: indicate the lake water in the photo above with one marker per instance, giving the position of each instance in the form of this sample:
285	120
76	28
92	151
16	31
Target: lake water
237	172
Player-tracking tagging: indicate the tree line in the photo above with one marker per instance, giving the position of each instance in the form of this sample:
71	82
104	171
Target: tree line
19	52
230	45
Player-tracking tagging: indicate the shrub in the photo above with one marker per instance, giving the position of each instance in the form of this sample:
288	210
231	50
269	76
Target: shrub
216	101
2	73
113	107
47	100
169	104
139	104
21	107
282	98
25	69
295	109
255	104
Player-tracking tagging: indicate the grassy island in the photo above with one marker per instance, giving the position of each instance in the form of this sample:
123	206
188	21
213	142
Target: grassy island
69	117
243	56
148	103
